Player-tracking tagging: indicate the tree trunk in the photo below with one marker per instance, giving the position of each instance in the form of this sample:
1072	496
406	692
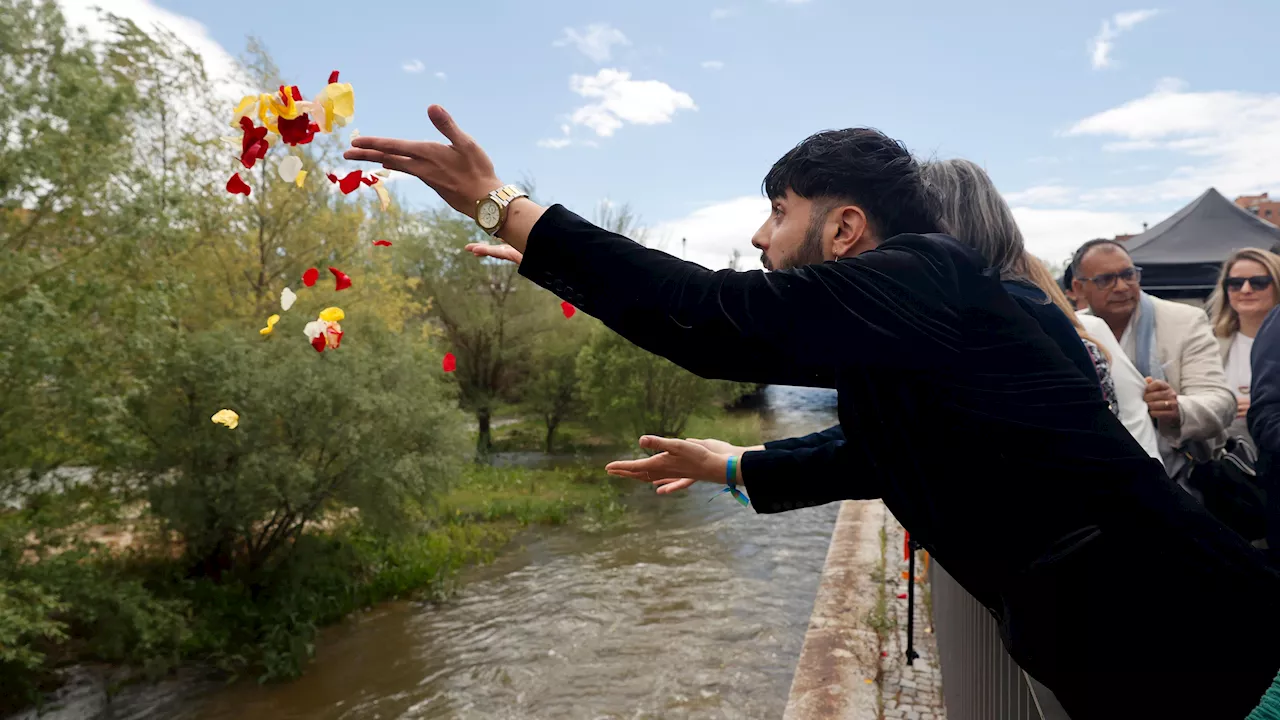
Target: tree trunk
484	438
551	434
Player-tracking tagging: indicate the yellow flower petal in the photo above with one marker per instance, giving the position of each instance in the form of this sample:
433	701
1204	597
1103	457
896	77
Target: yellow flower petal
245	106
383	195
339	102
302	175
332	314
226	417
271	325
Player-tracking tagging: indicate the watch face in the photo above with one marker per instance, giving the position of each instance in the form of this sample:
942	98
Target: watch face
488	215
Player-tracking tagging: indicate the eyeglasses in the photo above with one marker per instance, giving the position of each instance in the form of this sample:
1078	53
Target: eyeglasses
1257	282
1106	281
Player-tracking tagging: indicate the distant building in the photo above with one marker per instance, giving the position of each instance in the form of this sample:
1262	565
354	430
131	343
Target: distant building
1262	206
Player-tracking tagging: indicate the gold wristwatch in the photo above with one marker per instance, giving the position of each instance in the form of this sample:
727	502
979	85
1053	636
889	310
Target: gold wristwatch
491	211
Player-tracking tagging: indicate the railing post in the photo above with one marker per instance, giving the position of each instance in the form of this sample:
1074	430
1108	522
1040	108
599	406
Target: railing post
911	601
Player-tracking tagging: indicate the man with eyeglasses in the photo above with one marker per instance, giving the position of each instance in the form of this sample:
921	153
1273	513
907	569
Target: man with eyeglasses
1173	347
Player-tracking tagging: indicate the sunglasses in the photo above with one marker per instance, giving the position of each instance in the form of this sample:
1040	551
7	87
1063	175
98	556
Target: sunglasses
1257	282
1106	281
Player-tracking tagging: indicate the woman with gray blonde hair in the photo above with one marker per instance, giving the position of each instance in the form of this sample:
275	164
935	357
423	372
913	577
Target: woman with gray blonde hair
972	211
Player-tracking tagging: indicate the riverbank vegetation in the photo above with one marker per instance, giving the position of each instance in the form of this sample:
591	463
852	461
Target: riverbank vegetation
133	530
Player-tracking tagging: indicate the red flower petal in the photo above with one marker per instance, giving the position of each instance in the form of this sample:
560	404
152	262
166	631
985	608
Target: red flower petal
351	182
333	77
332	178
236	185
318	342
382	243
902	596
297	94
568	309
310	277
284	95
450	362
253	146
344	282
297	131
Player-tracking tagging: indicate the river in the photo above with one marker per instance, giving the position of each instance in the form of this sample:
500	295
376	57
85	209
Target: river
689	609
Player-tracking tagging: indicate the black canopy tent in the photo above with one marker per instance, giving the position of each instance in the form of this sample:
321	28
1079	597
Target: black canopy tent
1181	257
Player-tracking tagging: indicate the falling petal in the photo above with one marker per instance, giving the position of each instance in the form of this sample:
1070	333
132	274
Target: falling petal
296	93
302	175
332	314
369	180
333	335
245	107
271	325
332	178
287	298
236	185
343	282
567	309
382	243
902	596
383	196
315	329
310	277
383	173
253	144
226	417
350	183
297	130
318	343
450	362
333	77
354	133
289	168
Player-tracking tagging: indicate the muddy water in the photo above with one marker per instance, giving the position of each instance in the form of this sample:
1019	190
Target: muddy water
693	609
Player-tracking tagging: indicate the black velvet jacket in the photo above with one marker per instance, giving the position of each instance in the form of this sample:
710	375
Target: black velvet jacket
1111	585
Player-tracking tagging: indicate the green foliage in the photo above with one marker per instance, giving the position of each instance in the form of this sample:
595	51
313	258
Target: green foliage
27	626
633	392
369	426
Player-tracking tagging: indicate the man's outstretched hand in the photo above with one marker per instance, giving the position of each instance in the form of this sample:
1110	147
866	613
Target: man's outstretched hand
680	463
460	172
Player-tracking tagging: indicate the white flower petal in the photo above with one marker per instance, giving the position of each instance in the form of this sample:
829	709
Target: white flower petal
287	298
289	168
315	328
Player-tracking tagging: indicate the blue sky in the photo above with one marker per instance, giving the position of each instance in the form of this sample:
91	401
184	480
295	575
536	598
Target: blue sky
1092	117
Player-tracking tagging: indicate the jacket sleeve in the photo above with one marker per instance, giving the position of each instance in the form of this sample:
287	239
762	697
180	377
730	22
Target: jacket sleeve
781	480
1206	404
1264	390
896	305
821	437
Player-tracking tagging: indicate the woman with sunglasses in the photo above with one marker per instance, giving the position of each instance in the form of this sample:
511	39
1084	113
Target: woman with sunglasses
1245	293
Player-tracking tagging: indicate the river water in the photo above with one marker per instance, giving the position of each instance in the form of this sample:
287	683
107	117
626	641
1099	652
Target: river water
690	609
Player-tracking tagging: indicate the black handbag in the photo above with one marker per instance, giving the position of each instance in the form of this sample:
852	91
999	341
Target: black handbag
1231	490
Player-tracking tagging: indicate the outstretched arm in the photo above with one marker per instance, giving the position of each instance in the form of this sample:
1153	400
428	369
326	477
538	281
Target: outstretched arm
895	306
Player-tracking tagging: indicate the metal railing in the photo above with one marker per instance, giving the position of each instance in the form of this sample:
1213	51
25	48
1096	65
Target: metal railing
979	679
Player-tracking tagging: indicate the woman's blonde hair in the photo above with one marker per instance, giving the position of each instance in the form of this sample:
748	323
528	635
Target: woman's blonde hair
1226	321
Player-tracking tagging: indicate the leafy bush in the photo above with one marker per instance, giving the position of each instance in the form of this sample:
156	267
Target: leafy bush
369	426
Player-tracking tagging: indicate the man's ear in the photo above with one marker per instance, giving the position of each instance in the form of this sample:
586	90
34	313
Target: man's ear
853	232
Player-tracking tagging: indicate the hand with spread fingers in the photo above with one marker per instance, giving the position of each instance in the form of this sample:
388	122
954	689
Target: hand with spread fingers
460	172
678	464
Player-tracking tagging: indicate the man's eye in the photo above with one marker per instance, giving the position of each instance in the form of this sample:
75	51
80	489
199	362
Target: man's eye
777	210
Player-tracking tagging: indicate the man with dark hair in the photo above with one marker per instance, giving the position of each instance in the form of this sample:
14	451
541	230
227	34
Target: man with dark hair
980	434
1171	344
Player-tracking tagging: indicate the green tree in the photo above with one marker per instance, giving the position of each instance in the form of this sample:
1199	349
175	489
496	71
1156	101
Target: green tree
553	392
370	425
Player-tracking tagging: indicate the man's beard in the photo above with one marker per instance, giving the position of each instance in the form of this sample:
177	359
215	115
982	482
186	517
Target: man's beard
809	252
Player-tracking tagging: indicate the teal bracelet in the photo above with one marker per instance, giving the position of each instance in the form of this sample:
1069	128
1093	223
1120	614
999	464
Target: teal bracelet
731	483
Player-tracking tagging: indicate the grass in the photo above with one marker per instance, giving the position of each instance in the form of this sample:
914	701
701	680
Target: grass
529	434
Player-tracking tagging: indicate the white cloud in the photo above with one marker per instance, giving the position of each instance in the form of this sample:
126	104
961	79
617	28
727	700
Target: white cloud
555	143
1101	45
722	13
712	65
1053	234
1042	195
596	41
413	66
1224	139
221	66
715	231
620	100
441	74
